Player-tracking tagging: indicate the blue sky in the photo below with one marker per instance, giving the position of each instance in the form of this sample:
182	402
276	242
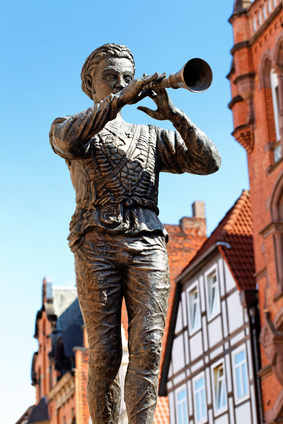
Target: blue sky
44	45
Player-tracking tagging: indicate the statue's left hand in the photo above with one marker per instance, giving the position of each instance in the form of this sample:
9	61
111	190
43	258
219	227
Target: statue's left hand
165	107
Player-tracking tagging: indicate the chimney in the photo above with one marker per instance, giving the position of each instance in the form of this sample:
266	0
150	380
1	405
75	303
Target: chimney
197	224
198	208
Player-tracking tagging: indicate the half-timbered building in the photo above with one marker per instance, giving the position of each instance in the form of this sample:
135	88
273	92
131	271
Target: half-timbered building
211	360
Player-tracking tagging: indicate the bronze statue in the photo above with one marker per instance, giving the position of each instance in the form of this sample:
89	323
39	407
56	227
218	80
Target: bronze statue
117	239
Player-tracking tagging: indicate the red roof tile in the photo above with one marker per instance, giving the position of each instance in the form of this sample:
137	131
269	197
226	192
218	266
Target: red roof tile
162	411
236	230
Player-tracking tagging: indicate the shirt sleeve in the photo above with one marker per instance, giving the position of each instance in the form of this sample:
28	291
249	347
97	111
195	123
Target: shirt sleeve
69	136
186	150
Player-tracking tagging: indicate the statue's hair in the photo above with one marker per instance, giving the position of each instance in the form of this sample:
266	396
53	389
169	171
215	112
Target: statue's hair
107	50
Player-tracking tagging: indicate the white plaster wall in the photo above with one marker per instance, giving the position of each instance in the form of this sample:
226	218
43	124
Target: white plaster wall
180	379
202	294
237	338
224	319
224	419
228	372
235	312
221	277
169	386
196	367
243	414
230	282
210	416
208	385
190	395
179	323
249	360
231	411
246	315
196	347
178	354
184	308
205	335
186	340
215	331
171	399
170	369
216	352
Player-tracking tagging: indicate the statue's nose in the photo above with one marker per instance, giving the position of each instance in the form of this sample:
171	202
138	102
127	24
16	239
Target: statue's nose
120	83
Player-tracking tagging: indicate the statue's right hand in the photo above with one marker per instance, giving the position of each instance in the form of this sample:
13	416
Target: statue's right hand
135	91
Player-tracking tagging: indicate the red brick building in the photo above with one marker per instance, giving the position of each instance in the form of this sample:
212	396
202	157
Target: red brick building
256	78
59	367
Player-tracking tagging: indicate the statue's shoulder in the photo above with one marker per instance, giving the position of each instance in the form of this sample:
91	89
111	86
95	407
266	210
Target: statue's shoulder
60	120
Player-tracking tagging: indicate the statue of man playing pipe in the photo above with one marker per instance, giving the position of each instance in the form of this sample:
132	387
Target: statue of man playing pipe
118	242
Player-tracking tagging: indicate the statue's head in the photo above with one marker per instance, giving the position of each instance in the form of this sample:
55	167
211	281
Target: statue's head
99	65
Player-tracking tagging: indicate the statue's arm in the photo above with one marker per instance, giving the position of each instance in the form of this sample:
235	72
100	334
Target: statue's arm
188	149
69	136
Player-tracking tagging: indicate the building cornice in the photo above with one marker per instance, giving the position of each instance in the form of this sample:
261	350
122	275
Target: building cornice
66	383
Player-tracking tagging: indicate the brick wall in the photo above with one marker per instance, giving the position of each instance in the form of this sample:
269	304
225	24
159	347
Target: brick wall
254	41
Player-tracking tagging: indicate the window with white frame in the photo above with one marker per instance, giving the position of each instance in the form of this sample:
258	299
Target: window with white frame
194	308
269	6
259	18
220	396
182	406
212	293
199	399
240	374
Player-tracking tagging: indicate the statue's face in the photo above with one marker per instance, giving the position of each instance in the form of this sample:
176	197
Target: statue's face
110	76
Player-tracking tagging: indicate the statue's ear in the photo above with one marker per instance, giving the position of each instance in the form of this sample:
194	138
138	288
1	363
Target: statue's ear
88	83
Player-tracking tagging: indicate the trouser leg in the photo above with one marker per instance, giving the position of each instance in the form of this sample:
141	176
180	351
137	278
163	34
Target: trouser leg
146	293
100	297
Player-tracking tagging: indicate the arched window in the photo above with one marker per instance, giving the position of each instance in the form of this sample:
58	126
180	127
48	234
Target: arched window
270	71
277	230
275	99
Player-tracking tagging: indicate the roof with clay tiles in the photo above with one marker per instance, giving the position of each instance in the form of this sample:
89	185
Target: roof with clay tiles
233	238
236	230
162	411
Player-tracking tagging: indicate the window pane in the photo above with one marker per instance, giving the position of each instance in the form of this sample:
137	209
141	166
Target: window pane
194	311
220	387
239	383
182	407
240	357
181	396
241	374
213	293
199	383
200	399
245	379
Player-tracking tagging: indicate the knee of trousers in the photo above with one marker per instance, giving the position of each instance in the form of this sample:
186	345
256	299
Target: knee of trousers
146	354
105	360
